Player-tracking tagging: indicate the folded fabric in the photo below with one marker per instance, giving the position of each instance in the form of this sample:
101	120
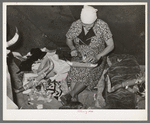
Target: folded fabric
61	67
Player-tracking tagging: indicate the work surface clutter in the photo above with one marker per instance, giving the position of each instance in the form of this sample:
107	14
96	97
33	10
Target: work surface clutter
46	95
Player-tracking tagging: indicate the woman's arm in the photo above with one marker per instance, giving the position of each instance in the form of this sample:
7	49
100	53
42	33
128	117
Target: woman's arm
70	44
72	47
108	49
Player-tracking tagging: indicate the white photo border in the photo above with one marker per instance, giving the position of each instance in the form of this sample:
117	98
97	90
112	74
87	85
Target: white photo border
72	115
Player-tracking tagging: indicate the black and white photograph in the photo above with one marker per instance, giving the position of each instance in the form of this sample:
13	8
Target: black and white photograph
75	61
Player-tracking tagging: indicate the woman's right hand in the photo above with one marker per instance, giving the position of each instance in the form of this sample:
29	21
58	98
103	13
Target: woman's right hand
74	53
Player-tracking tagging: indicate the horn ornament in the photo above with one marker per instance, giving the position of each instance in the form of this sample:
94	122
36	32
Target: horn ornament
14	39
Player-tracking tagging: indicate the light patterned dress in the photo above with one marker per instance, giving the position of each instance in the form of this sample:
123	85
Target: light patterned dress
88	76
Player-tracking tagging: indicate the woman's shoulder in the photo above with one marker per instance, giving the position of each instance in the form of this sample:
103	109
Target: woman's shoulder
101	22
77	22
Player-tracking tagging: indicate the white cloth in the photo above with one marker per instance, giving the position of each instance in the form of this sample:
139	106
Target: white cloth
61	67
88	14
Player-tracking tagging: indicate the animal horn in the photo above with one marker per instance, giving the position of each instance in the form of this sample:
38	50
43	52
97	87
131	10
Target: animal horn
14	39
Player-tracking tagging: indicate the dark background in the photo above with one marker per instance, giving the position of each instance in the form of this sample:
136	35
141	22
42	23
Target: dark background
46	26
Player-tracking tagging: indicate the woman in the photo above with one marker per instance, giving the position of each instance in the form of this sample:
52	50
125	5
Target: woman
89	39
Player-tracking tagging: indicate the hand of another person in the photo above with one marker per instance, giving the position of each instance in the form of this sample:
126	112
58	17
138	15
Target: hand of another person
19	90
8	51
74	53
116	87
135	89
18	56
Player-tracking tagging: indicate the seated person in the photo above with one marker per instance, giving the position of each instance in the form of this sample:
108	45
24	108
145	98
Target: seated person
87	38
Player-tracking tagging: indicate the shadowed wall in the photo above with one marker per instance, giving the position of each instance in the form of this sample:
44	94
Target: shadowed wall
46	26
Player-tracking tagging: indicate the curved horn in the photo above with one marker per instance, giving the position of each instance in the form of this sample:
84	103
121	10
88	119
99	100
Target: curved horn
14	39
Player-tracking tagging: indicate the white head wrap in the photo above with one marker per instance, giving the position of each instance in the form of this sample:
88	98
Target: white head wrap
88	14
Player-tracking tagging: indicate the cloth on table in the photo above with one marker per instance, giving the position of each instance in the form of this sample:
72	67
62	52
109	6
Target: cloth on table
60	70
22	99
61	67
123	67
52	87
48	91
42	100
122	75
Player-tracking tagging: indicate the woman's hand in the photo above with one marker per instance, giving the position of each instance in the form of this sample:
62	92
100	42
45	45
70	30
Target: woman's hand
98	56
71	46
74	53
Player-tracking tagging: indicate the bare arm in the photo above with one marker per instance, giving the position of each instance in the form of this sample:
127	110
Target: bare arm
70	44
72	47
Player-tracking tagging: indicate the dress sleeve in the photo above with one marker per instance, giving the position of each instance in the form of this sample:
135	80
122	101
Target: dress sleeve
71	34
106	32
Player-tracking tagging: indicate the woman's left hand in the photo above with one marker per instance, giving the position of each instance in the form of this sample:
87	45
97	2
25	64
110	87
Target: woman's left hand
98	57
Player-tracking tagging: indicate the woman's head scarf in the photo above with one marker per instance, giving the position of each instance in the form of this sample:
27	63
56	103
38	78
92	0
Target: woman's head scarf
88	14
